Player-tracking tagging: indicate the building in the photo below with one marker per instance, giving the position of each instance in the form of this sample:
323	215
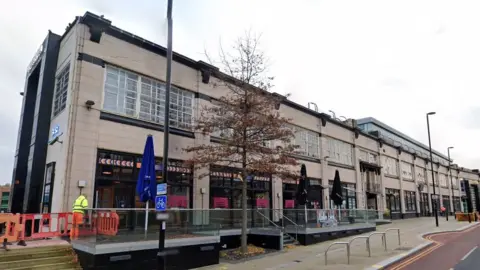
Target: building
4	198
93	94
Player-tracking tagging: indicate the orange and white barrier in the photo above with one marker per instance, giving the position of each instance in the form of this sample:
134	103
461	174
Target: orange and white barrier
107	223
41	226
25	227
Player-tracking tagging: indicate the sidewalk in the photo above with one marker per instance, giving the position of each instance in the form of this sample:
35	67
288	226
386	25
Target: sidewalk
312	257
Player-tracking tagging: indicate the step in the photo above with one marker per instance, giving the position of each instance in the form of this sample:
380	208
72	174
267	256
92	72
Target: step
27	249
36	262
35	254
53	266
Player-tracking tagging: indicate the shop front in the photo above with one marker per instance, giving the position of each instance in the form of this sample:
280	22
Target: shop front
115	186
226	197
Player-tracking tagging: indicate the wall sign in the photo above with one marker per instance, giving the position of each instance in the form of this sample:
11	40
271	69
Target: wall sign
55	131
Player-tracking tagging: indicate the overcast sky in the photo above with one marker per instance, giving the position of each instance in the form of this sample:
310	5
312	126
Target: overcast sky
392	60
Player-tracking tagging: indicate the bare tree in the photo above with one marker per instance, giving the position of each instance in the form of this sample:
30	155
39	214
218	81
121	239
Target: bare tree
255	138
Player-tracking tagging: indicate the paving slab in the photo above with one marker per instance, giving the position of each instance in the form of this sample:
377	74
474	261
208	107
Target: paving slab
312	257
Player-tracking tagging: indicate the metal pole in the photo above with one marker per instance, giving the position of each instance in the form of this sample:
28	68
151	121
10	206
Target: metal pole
451	181
431	166
166	130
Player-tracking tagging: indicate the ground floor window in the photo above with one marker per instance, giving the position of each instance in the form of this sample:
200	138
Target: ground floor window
446	202
116	179
289	193
410	202
457	204
349	195
393	200
424	209
226	197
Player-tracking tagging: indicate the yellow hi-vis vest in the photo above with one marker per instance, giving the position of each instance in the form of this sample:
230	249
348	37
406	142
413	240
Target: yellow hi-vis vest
80	204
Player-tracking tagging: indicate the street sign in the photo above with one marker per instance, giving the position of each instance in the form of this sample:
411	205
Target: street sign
161	189
161	203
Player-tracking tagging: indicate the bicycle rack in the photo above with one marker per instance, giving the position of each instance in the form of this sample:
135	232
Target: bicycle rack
339	243
398	232
367	242
384	239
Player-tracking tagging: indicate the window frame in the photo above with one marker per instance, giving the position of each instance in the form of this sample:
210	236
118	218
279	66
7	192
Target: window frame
59	80
156	102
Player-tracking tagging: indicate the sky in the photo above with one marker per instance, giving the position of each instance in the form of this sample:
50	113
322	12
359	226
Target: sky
392	60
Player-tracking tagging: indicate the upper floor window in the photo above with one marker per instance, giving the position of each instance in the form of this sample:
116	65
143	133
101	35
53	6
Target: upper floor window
308	142
61	91
443	180
340	152
407	171
390	165
140	97
368	157
420	174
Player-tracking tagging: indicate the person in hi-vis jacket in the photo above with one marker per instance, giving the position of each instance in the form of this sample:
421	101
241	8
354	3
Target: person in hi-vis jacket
79	206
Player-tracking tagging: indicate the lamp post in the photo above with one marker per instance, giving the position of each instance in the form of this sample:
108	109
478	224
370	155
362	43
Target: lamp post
431	164
161	256
451	180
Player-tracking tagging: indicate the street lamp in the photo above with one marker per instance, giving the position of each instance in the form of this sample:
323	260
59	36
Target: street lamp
431	164
451	180
161	256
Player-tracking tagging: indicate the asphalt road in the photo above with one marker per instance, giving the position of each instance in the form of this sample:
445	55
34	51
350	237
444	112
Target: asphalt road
457	250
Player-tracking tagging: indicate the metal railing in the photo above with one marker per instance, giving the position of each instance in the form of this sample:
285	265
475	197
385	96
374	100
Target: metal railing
269	220
367	243
291	221
398	232
338	243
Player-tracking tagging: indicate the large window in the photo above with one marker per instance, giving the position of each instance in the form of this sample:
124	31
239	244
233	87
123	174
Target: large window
393	200
409	197
308	142
407	171
340	152
443	180
140	97
48	188
61	91
390	165
420	174
349	195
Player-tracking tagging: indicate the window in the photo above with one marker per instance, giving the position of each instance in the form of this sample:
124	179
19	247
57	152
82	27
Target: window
393	199
48	188
409	197
367	157
61	91
340	152
308	142
420	175
407	171
131	95
443	180
454	182
390	165
349	195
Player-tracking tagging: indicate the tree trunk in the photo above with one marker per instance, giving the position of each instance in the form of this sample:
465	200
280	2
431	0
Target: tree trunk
244	212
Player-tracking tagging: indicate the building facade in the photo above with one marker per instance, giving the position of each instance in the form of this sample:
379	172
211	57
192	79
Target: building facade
4	198
105	94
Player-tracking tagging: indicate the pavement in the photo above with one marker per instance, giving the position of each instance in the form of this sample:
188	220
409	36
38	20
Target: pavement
450	250
312	257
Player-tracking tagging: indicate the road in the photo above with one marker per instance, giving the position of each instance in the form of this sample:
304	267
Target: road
454	250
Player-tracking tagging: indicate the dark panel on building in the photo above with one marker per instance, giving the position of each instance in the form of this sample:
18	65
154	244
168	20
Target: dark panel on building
34	129
23	140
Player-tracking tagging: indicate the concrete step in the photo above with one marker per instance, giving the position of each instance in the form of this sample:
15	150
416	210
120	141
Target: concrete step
53	266
27	249
35	254
35	262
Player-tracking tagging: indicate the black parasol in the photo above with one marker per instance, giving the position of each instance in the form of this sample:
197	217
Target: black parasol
336	193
